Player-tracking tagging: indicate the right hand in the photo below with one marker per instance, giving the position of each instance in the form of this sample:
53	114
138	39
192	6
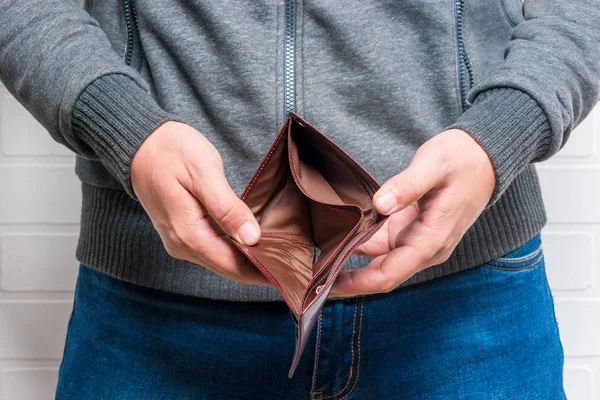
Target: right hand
178	177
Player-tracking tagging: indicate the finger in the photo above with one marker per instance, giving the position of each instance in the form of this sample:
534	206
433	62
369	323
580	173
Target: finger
210	247
219	251
237	269
191	234
386	272
377	244
381	275
218	254
229	211
383	241
408	186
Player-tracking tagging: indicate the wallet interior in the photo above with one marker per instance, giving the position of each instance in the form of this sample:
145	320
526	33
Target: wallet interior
311	200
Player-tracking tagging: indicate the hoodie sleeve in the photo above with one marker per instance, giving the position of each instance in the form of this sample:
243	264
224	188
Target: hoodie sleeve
549	81
58	63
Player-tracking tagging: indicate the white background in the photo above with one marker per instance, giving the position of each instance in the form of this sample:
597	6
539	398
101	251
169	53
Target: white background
39	211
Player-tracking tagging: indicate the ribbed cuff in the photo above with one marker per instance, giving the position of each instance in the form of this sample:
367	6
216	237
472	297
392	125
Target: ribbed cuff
114	115
511	127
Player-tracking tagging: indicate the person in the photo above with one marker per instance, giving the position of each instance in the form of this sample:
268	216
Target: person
171	105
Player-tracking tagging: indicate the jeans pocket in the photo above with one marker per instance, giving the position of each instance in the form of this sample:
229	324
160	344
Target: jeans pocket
526	256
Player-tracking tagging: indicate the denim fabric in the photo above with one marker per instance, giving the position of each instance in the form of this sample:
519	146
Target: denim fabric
484	333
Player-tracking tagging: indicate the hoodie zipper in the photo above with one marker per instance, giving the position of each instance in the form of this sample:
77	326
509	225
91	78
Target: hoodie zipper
289	68
134	53
465	68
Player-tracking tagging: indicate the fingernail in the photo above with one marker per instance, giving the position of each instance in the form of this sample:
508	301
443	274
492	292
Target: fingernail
248	233
386	201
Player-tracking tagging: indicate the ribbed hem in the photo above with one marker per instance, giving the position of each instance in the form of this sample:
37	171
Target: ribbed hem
114	115
117	238
511	127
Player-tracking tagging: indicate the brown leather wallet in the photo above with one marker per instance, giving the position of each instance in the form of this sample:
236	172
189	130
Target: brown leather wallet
314	206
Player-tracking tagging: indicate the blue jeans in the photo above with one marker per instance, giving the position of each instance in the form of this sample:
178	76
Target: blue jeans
485	333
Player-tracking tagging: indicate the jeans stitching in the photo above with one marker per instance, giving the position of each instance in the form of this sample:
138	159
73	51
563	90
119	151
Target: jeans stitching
518	260
351	362
314	383
514	269
362	307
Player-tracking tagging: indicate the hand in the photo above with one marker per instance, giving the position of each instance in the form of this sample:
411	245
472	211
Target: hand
178	177
431	205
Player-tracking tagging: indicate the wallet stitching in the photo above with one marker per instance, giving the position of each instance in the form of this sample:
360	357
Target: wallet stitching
265	162
284	251
262	167
295	241
281	233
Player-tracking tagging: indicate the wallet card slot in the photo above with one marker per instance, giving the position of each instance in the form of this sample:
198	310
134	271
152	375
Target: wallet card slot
330	226
311	181
324	278
323	174
328	148
289	263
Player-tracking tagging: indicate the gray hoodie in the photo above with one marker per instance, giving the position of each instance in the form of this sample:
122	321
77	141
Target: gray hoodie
379	77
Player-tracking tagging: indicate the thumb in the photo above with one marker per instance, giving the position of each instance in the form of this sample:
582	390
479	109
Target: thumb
228	210
408	186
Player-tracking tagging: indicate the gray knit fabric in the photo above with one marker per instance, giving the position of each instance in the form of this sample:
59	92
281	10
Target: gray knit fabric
114	115
513	130
379	78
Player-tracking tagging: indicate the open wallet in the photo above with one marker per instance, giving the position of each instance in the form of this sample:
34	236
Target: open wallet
313	203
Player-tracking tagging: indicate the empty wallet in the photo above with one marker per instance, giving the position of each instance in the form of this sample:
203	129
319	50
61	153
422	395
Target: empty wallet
313	203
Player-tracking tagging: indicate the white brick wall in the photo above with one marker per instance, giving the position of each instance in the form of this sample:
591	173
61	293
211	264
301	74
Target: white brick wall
39	212
572	196
38	232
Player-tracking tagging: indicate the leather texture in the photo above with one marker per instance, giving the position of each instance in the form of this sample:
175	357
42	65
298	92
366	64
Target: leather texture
314	206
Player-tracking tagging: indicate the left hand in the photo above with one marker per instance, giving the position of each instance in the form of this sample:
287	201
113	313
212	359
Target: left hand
431	205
